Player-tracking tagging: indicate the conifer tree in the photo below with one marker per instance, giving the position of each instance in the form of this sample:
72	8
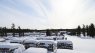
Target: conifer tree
48	33
83	30
78	31
92	30
13	29
87	30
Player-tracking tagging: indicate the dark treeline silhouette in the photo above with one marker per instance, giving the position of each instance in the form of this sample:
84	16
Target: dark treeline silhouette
13	30
86	30
48	32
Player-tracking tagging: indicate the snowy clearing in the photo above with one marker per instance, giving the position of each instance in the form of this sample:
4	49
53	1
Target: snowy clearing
81	45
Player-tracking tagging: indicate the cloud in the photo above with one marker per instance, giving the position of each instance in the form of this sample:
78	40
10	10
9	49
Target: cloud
43	14
15	12
70	13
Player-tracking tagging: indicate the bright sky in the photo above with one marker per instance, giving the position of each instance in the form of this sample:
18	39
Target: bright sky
43	14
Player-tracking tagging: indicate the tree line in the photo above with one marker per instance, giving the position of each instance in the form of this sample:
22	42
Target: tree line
16	31
12	30
85	30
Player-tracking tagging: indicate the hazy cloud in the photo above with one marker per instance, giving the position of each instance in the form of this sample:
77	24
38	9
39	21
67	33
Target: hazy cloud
42	14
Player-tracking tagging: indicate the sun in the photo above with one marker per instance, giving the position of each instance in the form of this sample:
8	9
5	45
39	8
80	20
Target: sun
62	12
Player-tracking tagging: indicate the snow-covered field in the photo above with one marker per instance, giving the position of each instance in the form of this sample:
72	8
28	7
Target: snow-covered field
82	45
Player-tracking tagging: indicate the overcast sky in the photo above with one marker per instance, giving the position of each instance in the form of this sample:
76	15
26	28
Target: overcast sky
43	14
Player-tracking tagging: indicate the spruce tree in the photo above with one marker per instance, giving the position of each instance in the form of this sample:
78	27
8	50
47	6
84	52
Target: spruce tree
48	32
13	29
91	30
83	30
5	31
19	30
78	31
87	30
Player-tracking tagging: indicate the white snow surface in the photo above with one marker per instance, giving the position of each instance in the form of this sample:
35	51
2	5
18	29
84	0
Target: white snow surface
65	51
8	37
2	39
81	45
19	48
20	39
64	41
35	50
30	41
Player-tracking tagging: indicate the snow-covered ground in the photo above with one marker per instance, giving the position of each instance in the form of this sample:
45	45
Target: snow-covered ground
35	50
82	45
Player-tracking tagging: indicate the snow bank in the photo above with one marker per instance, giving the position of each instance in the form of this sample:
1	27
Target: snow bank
18	47
18	39
2	40
36	50
8	37
60	37
82	45
65	51
64	41
30	41
51	38
44	38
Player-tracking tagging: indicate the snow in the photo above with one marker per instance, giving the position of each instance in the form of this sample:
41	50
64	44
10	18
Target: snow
19	39
47	42
8	37
50	38
2	39
36	34
44	38
82	45
19	48
85	37
65	51
16	41
64	41
35	50
9	45
30	41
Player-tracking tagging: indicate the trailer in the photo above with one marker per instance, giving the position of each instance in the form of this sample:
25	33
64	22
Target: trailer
2	40
19	40
30	43
11	48
48	44
64	44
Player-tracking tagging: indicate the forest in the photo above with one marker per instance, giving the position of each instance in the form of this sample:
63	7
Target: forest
85	30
